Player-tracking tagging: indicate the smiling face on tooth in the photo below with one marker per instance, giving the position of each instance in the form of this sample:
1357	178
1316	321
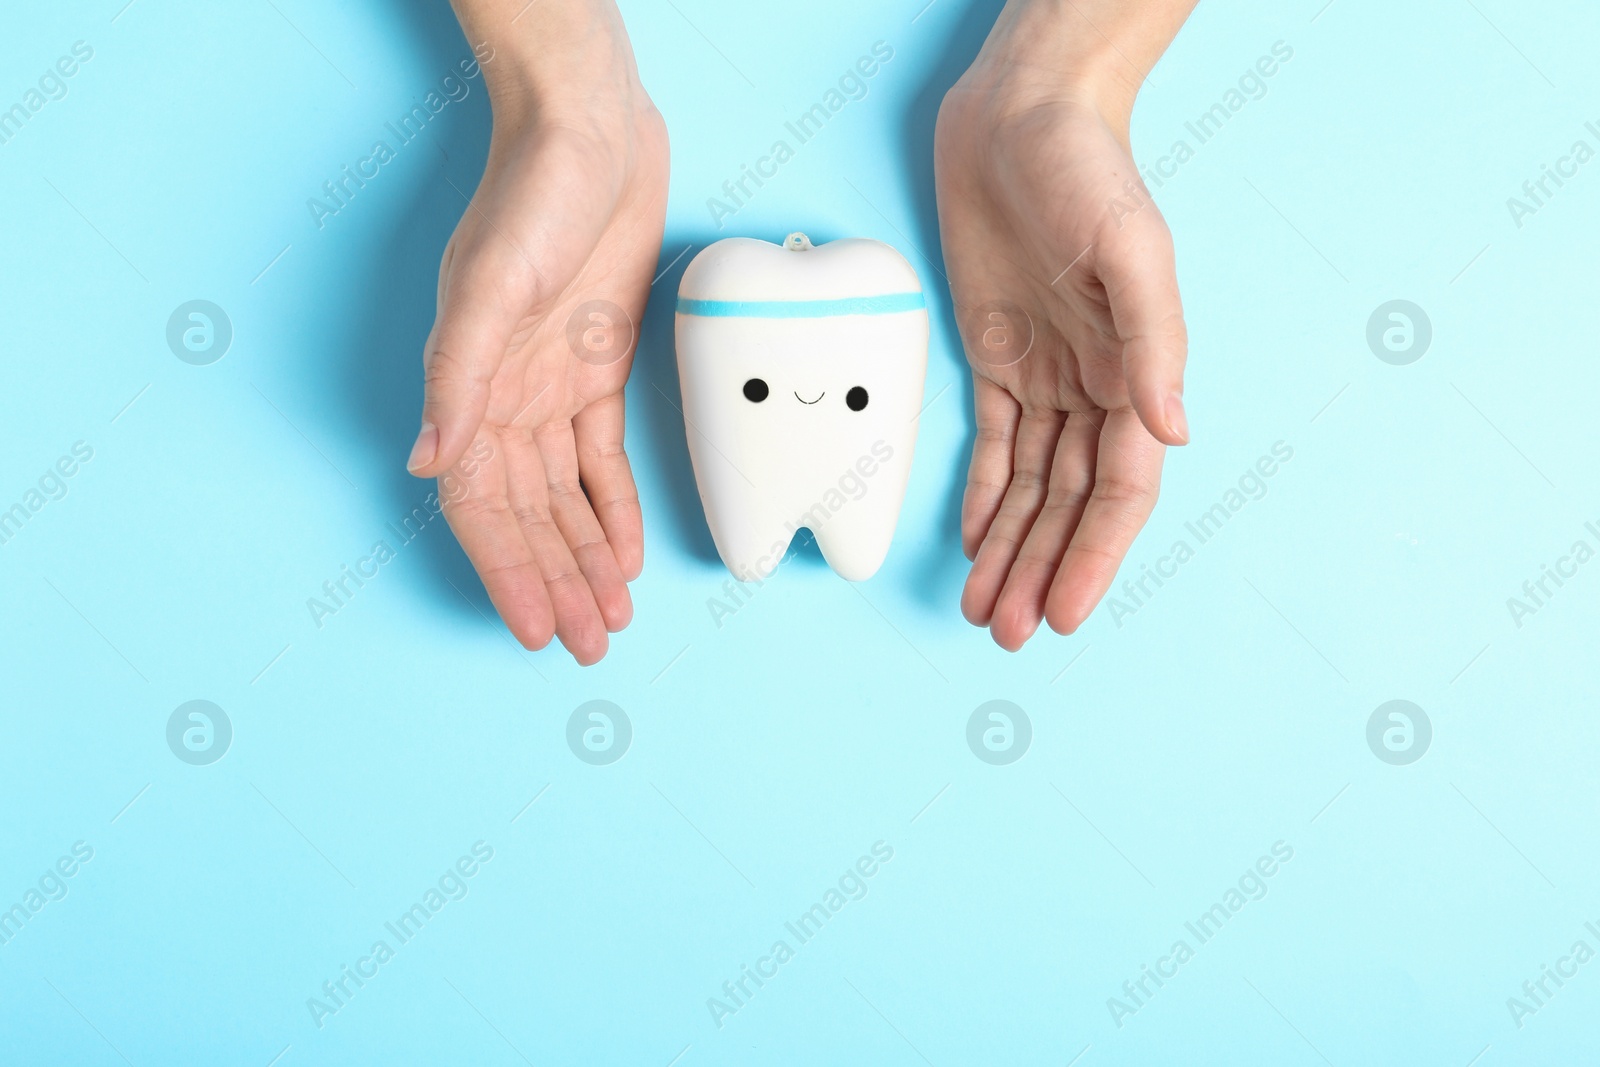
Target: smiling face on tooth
802	370
756	391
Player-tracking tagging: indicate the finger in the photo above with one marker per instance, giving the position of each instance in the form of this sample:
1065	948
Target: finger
990	474
1021	604
1126	482
1037	434
1141	283
608	478
479	512
577	619
484	298
580	529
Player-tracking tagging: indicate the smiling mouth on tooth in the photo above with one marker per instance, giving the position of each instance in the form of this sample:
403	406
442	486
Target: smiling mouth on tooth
818	400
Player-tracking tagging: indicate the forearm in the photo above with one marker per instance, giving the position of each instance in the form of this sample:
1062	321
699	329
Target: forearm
550	59
1097	49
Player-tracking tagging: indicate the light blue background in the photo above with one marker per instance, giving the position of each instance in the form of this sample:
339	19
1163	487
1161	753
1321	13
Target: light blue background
768	754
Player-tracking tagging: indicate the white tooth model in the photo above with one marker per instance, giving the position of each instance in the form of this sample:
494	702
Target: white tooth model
802	369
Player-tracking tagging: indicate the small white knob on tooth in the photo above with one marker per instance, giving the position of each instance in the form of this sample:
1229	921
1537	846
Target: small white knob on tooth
797	242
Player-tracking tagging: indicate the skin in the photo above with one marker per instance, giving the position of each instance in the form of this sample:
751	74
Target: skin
1066	292
1031	151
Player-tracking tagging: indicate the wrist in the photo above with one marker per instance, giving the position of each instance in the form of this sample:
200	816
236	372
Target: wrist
565	63
1094	53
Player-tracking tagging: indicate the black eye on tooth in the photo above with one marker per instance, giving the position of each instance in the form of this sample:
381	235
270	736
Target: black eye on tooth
755	391
856	398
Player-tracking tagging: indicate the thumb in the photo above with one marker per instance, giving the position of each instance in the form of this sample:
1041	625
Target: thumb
1141	281
464	350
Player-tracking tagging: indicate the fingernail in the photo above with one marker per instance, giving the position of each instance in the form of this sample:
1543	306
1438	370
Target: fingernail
1177	421
427	445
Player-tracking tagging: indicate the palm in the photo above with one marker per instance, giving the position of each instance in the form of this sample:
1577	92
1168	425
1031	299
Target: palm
1067	299
539	381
